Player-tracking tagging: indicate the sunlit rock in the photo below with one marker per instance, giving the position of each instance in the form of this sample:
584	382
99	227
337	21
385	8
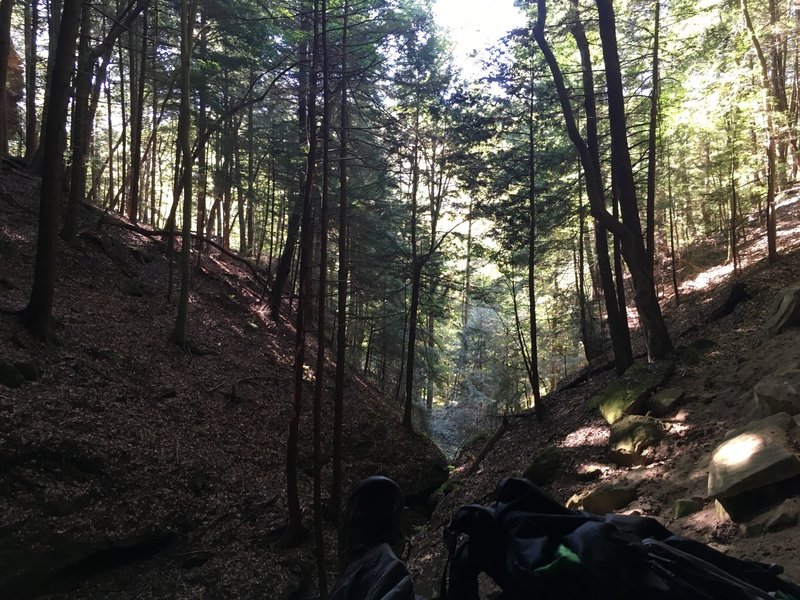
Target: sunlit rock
755	456
784	311
631	436
778	392
628	394
604	498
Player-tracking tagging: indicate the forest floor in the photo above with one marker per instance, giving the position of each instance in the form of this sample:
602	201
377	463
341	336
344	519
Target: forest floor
131	469
719	398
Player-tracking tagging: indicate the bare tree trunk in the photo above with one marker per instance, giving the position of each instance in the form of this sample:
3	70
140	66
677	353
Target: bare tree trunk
284	263
295	526
37	315
137	114
321	17
652	139
53	26
80	129
533	371
654	328
673	254
615	313
767	100
6	7
416	277
341	306
179	334
31	27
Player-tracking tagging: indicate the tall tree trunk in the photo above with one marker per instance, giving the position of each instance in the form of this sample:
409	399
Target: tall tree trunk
673	254
652	322
285	261
652	139
53	27
6	7
306	242
533	371
137	114
321	17
31	30
416	277
617	323
38	313
767	100
80	129
187	7
429	349
341	288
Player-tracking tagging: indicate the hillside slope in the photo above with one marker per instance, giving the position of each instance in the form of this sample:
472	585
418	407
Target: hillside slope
131	469
719	398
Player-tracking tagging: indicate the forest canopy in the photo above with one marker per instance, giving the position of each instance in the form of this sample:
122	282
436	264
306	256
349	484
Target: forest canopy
458	239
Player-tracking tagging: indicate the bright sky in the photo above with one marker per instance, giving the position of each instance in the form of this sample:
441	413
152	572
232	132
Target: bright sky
475	25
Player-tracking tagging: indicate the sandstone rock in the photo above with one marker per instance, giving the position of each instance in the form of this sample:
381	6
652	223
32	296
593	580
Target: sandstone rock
9	375
604	498
589	474
783	517
545	466
627	395
687	506
784	311
664	402
778	392
630	436
754	456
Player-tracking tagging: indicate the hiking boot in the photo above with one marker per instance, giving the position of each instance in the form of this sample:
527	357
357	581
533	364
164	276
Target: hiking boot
374	516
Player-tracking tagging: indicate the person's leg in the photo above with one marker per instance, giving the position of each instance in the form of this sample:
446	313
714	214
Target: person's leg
376	575
373	532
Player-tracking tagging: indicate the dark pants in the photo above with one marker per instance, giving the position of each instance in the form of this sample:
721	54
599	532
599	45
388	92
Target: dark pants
376	575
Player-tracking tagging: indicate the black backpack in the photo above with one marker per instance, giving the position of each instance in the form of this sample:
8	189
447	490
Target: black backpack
533	547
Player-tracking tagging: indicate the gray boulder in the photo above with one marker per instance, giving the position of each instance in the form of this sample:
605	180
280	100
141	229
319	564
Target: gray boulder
545	466
664	402
631	436
778	392
784	311
604	498
687	506
783	517
628	394
754	456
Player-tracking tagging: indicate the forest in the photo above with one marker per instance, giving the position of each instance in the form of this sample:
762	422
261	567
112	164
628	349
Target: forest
464	244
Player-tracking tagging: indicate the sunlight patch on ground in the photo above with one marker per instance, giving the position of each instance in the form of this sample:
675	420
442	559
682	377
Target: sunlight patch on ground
13	236
677	428
591	435
680	417
707	278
